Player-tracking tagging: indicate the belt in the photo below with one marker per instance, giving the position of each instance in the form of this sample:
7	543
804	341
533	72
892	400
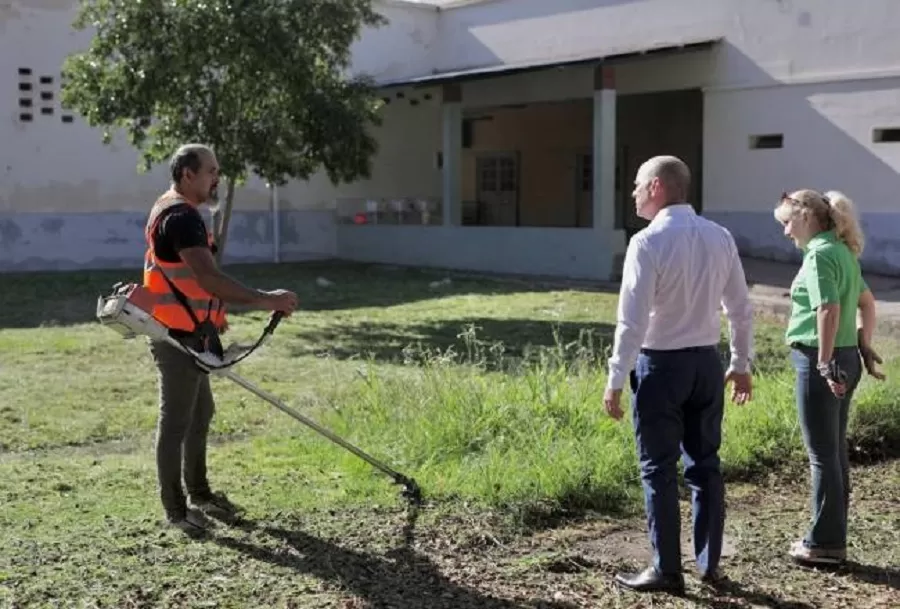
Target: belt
696	349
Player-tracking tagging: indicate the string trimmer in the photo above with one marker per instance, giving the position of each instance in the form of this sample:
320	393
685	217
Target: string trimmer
126	312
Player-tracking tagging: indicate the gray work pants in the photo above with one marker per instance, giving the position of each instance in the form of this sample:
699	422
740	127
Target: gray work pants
186	409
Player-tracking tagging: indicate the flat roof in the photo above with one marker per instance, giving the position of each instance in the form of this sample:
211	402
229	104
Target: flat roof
597	58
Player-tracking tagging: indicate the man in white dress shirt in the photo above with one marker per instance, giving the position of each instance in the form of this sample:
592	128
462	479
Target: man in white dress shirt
677	273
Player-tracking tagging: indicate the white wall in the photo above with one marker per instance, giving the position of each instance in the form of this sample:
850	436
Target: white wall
827	131
822	72
47	166
772	38
406	46
404	166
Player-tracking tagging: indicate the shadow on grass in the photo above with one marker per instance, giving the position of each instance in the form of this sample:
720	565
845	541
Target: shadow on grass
472	338
402	578
63	298
869	574
496	340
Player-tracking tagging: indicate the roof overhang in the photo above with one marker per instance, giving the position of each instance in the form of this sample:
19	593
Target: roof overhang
609	57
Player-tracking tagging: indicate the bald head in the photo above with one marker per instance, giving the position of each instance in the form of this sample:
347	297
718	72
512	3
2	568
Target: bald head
195	172
188	156
673	174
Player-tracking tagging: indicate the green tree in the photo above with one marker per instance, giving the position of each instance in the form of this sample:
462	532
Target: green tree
265	83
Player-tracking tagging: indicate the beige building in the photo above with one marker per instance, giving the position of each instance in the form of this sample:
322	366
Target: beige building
511	137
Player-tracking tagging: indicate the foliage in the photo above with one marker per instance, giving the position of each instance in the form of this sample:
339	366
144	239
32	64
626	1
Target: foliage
264	82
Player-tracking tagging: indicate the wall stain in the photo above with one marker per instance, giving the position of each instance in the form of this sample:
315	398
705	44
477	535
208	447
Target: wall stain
53	225
111	240
10	233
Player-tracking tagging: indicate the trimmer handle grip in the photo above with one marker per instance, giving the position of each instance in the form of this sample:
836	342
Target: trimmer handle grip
274	320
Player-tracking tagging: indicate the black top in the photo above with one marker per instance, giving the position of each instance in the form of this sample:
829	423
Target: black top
181	227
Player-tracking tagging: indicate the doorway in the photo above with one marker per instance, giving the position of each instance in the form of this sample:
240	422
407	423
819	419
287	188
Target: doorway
650	124
497	189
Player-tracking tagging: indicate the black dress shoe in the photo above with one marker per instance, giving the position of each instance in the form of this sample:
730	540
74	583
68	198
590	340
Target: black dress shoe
651	580
714	578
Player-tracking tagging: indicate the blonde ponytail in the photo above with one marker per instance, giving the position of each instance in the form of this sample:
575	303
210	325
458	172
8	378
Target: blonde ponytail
846	224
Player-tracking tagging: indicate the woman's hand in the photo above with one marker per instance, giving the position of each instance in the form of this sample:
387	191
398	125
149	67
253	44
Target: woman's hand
870	358
834	376
838	389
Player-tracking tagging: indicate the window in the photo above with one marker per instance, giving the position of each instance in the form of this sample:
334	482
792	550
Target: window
767	141
886	135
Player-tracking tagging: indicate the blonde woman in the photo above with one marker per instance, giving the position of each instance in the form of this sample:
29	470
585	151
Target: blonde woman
828	340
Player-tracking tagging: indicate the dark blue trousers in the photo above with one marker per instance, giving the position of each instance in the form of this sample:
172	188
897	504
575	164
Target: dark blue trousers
678	404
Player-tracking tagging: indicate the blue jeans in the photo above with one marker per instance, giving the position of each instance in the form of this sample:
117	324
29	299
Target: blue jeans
823	421
678	404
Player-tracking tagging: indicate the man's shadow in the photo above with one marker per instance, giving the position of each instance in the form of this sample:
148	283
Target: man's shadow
887	577
401	579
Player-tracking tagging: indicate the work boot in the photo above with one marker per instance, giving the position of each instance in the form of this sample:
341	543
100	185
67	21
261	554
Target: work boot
191	523
218	506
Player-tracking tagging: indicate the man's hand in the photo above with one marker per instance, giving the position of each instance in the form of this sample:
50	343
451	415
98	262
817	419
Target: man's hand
870	358
281	300
611	400
742	386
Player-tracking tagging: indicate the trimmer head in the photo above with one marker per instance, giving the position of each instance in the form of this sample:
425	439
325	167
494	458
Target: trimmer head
411	490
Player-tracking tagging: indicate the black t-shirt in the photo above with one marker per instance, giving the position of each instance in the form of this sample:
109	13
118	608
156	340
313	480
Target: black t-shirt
181	227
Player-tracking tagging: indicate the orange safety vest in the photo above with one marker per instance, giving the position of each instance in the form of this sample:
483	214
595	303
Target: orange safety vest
160	277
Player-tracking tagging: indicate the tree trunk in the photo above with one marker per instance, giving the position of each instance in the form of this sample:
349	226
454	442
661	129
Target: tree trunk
222	221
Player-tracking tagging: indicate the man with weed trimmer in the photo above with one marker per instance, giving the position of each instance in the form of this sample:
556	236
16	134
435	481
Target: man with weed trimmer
190	292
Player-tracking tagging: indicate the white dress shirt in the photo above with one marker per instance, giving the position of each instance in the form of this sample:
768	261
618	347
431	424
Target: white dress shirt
678	271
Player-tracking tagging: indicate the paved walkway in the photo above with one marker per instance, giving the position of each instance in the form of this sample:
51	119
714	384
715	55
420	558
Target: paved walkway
769	281
770	284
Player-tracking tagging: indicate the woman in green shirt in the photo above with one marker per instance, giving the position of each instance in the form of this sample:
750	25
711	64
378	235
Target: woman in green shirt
826	347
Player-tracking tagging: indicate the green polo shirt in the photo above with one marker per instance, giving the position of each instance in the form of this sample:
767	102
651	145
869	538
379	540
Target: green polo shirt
830	273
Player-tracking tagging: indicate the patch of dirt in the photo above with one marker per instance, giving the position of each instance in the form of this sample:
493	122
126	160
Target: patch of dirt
471	560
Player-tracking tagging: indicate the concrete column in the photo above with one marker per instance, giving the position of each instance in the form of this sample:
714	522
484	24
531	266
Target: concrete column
612	241
452	154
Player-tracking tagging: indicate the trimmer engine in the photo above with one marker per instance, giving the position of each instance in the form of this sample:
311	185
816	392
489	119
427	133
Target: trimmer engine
126	311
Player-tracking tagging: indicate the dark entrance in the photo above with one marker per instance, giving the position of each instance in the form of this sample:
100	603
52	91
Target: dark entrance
650	124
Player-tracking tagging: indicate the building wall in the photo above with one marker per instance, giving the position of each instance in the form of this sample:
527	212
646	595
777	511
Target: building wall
550	252
827	130
782	38
68	201
821	73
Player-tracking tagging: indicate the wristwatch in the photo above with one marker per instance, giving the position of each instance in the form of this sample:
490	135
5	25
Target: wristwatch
832	372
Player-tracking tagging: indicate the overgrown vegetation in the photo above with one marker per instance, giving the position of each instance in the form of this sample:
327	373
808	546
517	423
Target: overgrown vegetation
489	394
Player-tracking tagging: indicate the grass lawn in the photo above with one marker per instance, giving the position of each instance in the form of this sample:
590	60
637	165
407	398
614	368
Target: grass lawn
489	394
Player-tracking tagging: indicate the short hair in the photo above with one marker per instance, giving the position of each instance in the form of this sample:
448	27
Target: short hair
188	156
673	173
